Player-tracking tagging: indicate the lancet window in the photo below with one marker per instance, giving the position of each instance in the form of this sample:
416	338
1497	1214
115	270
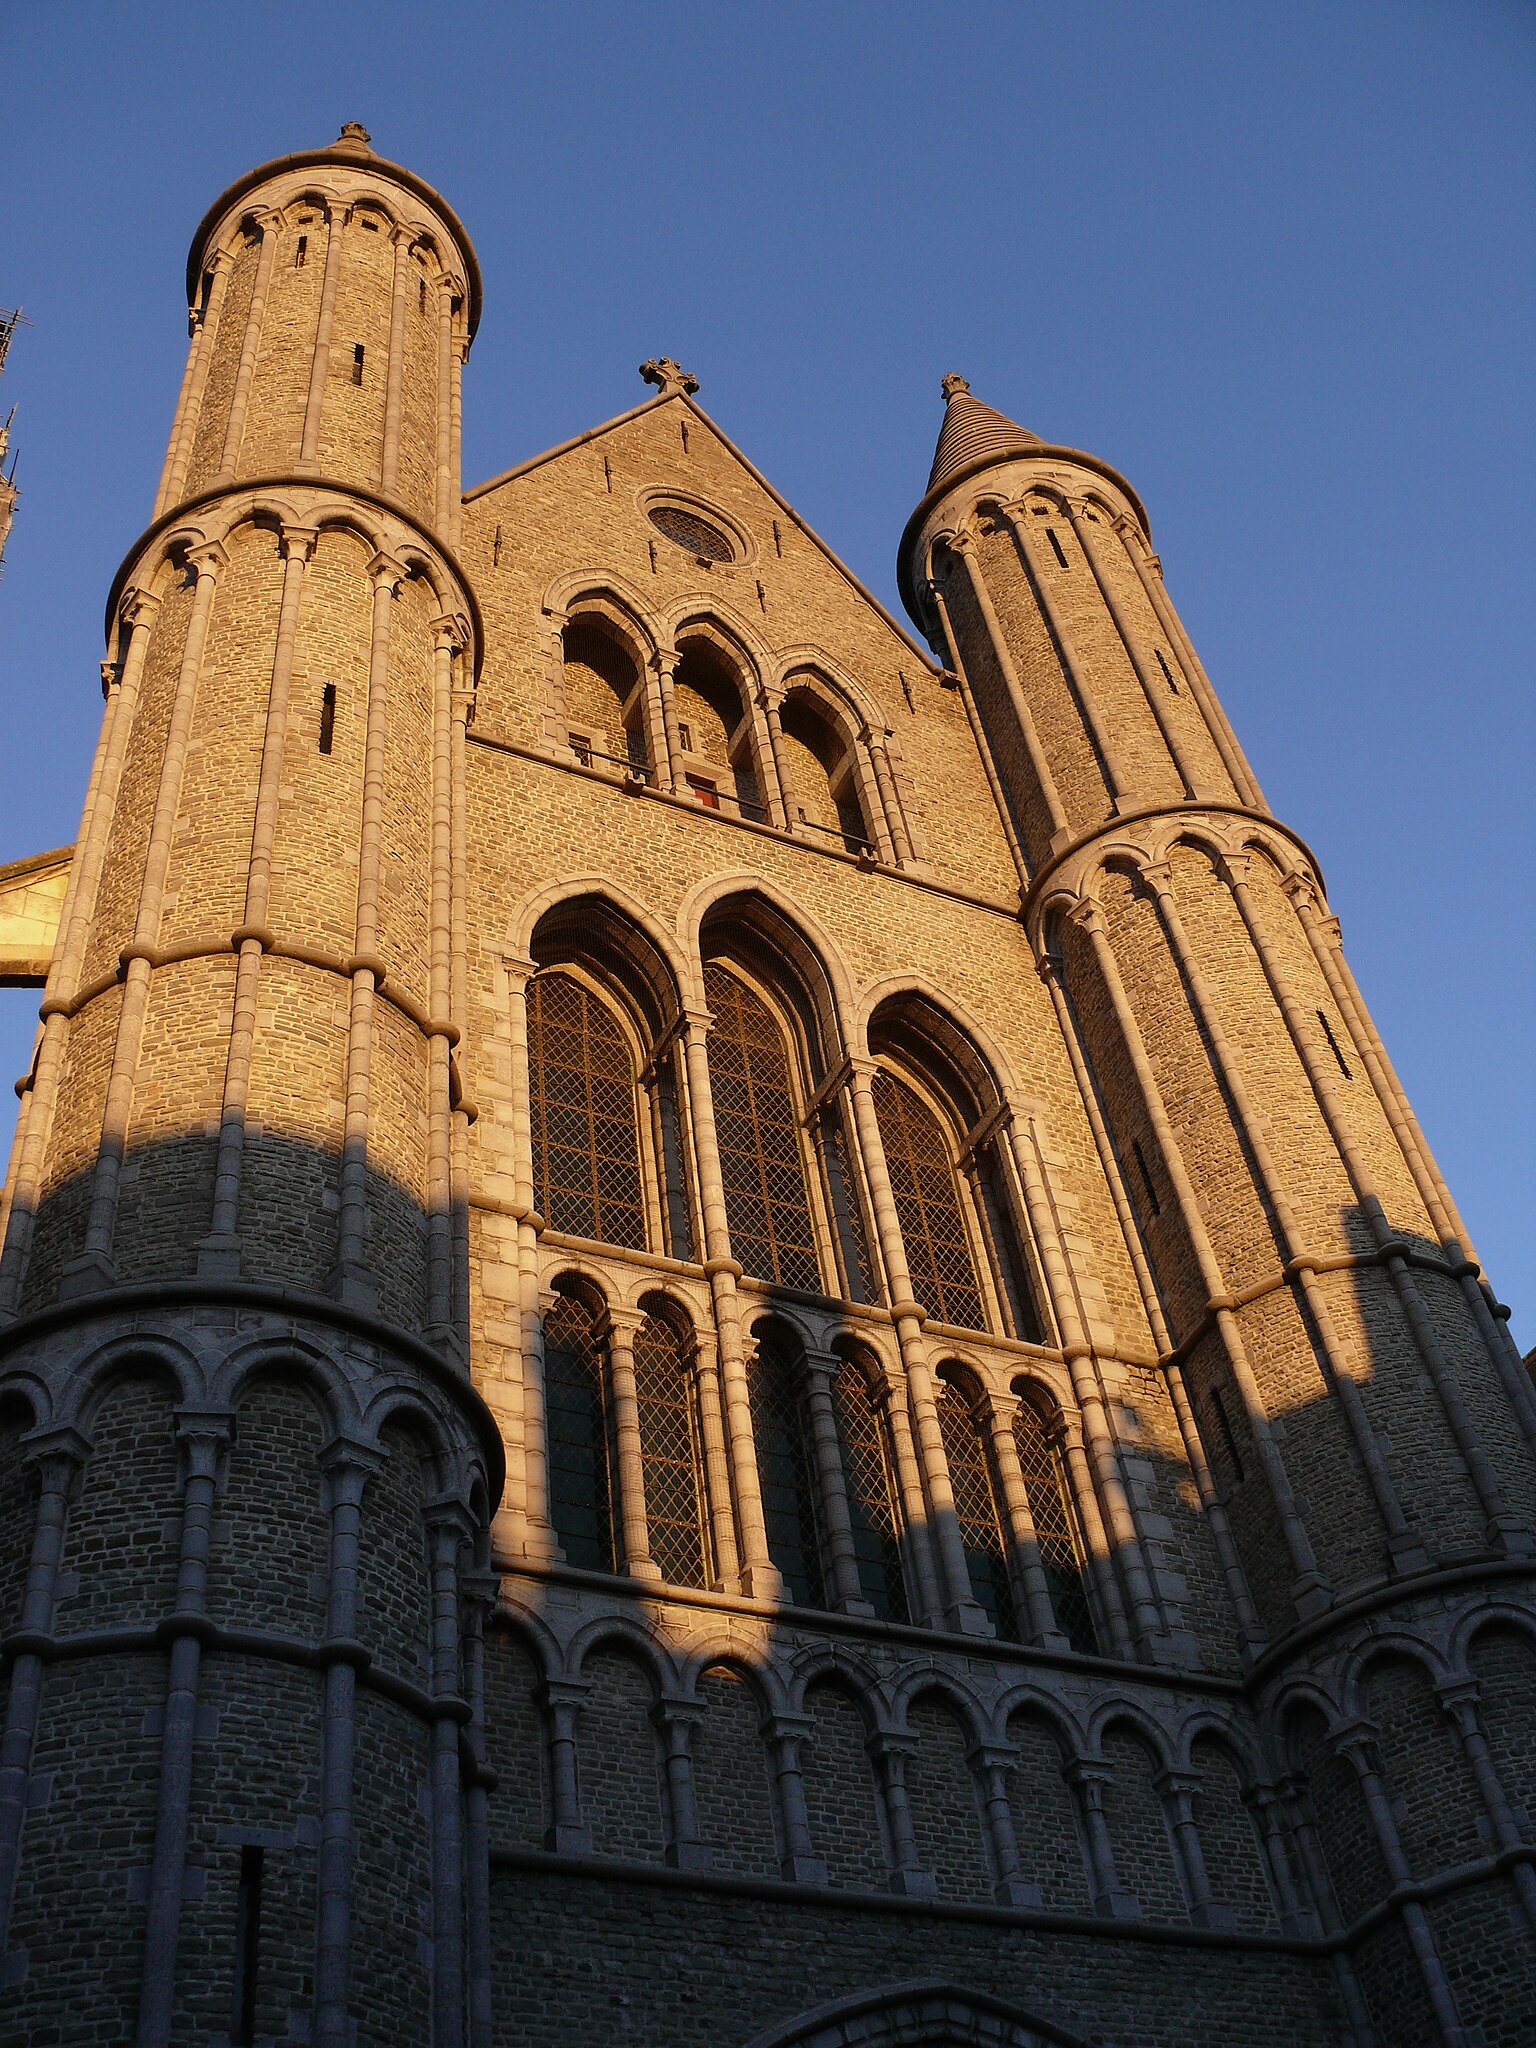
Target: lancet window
873	1510
715	734
670	1452
786	1465
1037	1435
605	696
927	1196
576	1437
582	1090
822	769
977	1509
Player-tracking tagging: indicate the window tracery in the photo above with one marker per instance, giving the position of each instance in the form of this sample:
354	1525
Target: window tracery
586	1146
975	1490
926	1194
576	1437
670	1453
873	1512
1051	1508
786	1466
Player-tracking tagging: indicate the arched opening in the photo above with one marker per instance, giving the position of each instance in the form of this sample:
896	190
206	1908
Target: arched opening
604	695
786	1466
576	1436
874	1510
670	1451
822	770
1039	1440
718	761
984	1532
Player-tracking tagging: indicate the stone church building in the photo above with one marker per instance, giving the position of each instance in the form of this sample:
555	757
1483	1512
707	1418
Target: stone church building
719	1327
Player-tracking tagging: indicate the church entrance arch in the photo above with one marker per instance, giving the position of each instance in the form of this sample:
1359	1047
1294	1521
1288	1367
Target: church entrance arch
928	2014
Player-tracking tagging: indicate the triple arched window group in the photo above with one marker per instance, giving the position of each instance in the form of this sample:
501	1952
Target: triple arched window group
697	723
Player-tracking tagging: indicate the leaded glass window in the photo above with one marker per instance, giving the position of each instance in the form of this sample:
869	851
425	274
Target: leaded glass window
586	1146
576	1437
786	1467
669	1451
872	1506
1050	1508
757	1131
927	1198
981	1526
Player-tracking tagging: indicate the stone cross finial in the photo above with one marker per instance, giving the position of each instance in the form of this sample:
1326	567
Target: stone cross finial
953	385
353	135
669	377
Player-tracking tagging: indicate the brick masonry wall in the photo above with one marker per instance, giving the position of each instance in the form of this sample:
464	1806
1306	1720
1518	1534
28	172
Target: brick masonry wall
731	1775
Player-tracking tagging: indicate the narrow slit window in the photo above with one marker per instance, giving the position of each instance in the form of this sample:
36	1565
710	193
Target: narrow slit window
1334	1046
327	717
1228	1436
421	295
1169	677
242	2018
1146	1178
301	250
1056	547
357	363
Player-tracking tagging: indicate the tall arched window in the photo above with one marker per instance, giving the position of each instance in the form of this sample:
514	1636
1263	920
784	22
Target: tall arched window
786	1465
604	695
927	1197
872	1497
669	1451
576	1438
1050	1507
586	1147
976	1507
823	796
714	731
757	1131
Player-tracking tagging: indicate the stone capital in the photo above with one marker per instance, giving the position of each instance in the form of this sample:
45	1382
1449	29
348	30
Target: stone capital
386	569
208	558
299	541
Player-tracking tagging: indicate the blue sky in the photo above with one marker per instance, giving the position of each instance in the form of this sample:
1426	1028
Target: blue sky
1274	262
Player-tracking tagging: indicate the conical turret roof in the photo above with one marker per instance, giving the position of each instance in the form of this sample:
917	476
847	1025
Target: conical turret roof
973	432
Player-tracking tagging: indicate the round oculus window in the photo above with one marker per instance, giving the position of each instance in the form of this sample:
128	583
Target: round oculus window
688	530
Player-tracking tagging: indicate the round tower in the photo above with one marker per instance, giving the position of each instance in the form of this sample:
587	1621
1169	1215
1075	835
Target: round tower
233	1297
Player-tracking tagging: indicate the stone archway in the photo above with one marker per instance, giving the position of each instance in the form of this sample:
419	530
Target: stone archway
920	2014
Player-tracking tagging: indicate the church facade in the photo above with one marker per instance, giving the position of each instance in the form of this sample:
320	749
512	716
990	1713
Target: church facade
718	1326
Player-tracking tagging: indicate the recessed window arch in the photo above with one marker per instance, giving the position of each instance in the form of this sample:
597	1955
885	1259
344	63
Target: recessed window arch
1039	1436
822	766
925	1187
717	740
670	1445
979	1506
605	693
874	1503
786	1462
575	1428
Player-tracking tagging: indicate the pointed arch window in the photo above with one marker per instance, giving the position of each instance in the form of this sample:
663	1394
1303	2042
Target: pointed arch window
576	1438
976	1507
1043	1465
872	1500
927	1197
669	1453
757	1131
586	1144
786	1466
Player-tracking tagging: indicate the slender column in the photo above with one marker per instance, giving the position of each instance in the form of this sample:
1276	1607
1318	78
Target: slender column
463	1109
1405	1545
389	463
963	545
448	1529
1461	1705
219	1253
18	1205
991	1762
202	1436
479	1590
1263	1802
759	1576
871	804
776	783
889	1753
320	362
629	1461
1323	937
916	1535
1309	1589
1177	1790
456	430
890	802
1116	781
94	1266
205	331
1023	1544
442	1029
842	1564
443	502
1250	1628
347	1468
536	1537
352	1280
675	1721
1108	1490
1065	1440
664	663
250	342
1110	1900
1506	1528
961	1609
563	1700
717	1467
978	734
1149	575
1356	1743
784	1733
58	1457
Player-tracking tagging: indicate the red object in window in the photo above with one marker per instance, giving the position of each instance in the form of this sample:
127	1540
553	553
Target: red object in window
706	792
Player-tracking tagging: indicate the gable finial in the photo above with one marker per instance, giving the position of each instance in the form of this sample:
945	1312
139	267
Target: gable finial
953	385
669	376
353	136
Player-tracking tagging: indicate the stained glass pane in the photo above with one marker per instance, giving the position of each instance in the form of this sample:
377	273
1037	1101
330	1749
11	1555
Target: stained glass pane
581	1082
758	1135
785	1468
1049	1506
674	1509
688	530
871	1495
577	1446
927	1205
981	1528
